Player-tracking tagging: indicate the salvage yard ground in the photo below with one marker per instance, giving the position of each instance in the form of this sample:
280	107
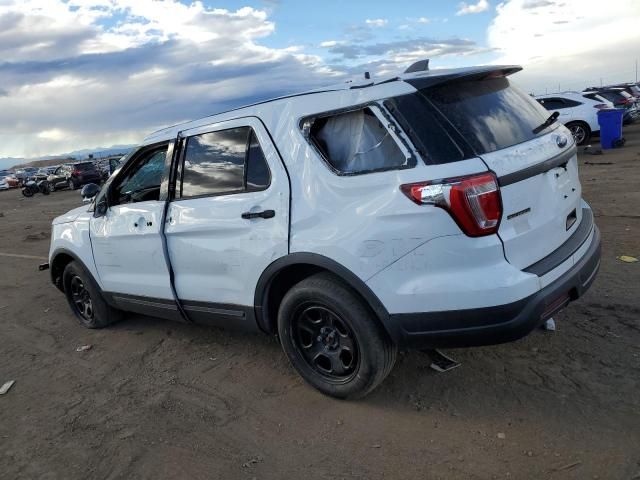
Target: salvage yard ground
155	399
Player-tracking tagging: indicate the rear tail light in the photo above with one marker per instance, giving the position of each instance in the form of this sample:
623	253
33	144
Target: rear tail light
473	202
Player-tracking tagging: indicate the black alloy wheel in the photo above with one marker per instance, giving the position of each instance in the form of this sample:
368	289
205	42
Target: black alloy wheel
81	298
326	343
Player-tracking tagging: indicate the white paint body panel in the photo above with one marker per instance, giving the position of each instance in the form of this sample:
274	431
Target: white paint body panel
73	236
128	252
216	255
550	197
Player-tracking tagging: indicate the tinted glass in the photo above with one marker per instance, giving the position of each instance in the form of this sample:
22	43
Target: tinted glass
257	169
490	114
143	181
84	166
553	103
418	119
214	162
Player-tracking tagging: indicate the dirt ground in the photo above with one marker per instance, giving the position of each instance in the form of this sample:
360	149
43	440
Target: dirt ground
154	399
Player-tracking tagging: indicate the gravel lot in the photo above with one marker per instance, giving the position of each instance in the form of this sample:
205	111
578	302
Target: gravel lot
154	399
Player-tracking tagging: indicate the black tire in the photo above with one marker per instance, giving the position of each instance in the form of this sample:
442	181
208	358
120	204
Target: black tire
324	319
27	192
580	131
51	187
45	189
99	314
71	184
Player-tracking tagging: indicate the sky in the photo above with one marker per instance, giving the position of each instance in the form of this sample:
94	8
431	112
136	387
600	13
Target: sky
79	74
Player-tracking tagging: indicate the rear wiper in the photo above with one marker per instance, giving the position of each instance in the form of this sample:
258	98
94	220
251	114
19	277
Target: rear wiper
549	121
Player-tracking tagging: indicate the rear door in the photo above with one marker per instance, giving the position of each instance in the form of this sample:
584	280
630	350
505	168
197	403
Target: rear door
229	220
536	165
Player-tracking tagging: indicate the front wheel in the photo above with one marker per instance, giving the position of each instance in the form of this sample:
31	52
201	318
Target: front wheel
332	338
51	187
27	192
580	131
85	299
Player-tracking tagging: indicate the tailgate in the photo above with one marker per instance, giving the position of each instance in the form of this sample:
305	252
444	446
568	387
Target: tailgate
541	196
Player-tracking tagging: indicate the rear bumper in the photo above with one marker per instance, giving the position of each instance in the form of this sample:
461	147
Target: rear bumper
499	324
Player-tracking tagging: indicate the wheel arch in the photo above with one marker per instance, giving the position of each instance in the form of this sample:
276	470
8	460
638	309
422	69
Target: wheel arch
286	271
60	258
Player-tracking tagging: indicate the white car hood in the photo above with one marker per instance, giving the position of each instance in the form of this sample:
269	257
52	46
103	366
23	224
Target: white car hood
71	215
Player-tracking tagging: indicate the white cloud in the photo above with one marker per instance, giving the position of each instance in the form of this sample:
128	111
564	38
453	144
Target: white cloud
423	20
377	22
330	43
464	8
573	43
68	81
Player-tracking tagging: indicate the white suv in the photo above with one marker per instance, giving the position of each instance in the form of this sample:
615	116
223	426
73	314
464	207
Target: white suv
433	209
577	112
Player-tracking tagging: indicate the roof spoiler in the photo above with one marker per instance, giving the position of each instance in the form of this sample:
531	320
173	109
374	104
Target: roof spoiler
419	66
438	77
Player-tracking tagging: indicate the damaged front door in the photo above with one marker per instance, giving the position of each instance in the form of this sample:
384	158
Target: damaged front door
126	240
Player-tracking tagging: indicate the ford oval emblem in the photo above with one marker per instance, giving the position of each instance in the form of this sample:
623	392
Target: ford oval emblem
561	141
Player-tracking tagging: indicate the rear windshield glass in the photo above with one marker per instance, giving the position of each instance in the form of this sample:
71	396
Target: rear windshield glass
84	166
490	114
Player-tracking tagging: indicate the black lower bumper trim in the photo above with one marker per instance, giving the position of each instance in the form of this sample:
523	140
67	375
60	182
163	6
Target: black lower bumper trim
499	324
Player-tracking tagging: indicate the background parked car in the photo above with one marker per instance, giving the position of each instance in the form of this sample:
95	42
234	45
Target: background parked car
578	113
620	99
24	173
74	176
3	183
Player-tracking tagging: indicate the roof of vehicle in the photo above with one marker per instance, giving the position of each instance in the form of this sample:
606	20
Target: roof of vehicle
418	79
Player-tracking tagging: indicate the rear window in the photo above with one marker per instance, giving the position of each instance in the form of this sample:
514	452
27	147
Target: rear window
84	166
490	114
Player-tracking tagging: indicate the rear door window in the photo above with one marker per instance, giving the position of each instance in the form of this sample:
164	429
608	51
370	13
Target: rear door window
223	162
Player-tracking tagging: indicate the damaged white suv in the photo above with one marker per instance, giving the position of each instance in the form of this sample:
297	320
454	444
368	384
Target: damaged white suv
433	209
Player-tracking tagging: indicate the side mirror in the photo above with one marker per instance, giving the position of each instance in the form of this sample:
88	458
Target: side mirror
89	191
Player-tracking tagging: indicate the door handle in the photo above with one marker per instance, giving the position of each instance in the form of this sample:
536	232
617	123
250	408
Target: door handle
263	214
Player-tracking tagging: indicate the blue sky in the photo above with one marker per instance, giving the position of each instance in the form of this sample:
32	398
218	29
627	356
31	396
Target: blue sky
78	74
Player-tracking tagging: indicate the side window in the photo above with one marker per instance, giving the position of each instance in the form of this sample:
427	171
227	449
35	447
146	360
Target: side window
142	182
258	176
553	103
223	162
355	142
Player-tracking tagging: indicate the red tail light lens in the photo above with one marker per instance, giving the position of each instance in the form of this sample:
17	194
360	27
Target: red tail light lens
474	202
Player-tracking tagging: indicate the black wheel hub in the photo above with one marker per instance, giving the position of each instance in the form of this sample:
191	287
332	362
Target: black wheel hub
81	298
325	342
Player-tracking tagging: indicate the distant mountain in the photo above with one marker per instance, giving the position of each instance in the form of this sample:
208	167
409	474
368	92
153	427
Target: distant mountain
11	162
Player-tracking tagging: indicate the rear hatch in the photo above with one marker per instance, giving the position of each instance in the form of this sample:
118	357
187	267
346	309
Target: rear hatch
536	165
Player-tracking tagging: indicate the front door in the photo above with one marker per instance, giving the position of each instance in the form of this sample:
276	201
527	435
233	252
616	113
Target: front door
126	241
229	219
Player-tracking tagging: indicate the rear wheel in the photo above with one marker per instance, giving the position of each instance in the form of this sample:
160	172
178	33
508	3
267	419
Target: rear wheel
580	131
332	338
71	184
85	298
51	187
26	191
